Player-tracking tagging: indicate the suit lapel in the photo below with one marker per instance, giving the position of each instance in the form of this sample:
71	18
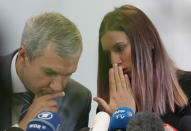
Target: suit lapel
6	90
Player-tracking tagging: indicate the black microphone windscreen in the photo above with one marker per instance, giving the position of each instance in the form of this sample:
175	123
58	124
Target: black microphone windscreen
185	123
14	129
85	129
145	121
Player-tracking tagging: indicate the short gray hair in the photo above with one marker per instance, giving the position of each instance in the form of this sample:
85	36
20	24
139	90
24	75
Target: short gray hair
54	28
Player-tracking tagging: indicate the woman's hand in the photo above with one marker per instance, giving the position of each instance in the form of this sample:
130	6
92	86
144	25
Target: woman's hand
120	92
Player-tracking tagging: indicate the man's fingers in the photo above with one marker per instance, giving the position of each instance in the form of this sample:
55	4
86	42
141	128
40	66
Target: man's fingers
52	96
52	103
52	108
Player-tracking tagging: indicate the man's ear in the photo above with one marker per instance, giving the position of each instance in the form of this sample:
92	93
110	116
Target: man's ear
22	55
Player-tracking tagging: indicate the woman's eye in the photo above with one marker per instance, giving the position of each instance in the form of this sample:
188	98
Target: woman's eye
120	48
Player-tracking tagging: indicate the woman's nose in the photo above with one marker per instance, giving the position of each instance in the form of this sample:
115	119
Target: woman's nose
115	58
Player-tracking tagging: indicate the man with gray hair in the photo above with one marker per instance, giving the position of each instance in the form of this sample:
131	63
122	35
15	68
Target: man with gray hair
41	68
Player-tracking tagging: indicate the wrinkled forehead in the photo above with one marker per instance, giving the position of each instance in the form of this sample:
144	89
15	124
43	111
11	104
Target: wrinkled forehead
50	59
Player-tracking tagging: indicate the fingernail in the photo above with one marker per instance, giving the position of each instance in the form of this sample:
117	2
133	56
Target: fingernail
120	68
114	65
63	93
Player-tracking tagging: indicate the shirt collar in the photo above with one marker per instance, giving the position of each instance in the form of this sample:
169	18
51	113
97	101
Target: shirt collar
18	86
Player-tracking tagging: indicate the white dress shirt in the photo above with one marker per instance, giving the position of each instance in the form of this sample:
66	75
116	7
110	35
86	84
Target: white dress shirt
18	87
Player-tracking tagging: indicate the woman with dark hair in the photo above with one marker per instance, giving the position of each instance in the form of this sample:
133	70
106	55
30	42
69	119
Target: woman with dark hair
134	69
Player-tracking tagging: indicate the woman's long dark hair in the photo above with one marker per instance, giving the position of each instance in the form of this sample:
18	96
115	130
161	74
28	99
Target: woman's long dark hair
154	82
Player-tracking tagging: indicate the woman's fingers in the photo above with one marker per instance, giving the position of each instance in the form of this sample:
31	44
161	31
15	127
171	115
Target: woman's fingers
127	81
128	85
103	104
122	78
131	96
117	78
112	86
120	91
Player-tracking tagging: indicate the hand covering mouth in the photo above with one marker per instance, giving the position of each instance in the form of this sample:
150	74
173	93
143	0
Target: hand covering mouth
125	71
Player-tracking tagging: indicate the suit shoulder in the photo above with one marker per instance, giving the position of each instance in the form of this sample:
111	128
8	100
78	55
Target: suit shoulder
76	87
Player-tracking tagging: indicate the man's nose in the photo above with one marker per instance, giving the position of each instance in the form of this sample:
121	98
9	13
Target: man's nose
115	58
56	84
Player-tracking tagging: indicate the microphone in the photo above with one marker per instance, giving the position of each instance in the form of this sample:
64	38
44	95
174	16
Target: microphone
168	127
185	123
101	122
120	119
44	121
145	121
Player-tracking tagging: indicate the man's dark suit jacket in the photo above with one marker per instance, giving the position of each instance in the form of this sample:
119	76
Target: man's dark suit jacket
74	107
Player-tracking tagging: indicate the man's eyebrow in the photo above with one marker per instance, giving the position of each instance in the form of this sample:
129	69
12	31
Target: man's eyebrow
46	69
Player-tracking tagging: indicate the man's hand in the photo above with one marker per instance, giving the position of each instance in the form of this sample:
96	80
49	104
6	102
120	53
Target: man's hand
120	92
46	102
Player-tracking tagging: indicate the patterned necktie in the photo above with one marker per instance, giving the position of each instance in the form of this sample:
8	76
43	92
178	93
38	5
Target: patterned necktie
27	99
